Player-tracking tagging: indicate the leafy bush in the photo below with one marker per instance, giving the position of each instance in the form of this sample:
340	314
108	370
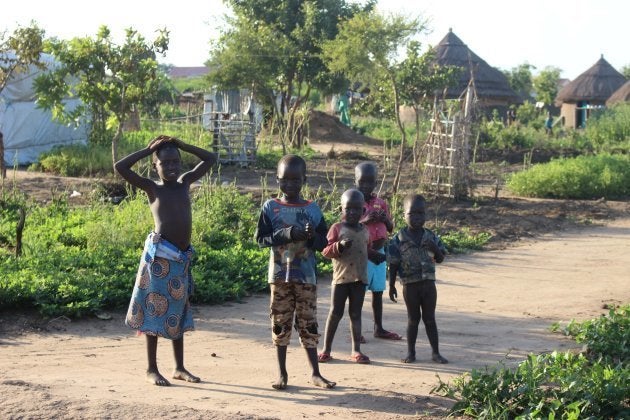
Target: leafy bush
557	385
606	336
583	177
78	260
609	131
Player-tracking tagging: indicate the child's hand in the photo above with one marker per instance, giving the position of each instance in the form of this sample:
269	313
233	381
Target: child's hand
344	244
377	258
156	142
431	246
298	234
308	228
393	294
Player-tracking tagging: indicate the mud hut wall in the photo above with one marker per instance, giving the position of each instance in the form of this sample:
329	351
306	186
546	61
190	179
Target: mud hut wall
567	113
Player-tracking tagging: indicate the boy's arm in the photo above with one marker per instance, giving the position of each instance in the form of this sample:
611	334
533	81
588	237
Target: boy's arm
123	167
332	250
207	160
436	246
393	262
392	272
375	256
266	236
389	224
318	241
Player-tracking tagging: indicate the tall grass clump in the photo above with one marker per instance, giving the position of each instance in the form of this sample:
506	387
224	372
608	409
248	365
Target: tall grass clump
563	385
583	177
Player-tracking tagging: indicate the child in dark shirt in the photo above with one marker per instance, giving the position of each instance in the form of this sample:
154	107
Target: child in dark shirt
412	255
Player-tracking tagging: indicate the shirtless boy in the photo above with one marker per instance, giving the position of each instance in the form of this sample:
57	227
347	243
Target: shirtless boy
160	304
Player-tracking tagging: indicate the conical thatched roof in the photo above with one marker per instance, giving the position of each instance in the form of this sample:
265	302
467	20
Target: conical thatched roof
489	82
595	84
620	95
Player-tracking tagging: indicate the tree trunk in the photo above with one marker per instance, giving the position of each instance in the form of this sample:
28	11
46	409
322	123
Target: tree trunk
416	143
403	134
117	136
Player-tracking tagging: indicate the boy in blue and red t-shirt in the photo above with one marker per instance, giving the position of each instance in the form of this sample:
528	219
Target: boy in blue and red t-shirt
294	228
378	220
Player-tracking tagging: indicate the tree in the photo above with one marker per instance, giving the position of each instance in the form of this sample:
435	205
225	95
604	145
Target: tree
625	70
420	77
274	48
111	80
546	84
18	51
520	80
366	49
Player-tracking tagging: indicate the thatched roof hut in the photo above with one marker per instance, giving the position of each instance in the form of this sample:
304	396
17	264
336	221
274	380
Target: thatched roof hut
620	95
491	85
588	91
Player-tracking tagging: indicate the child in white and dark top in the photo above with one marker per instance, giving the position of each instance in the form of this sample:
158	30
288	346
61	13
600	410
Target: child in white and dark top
349	248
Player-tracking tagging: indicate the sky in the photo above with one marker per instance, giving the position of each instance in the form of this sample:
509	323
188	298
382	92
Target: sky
568	34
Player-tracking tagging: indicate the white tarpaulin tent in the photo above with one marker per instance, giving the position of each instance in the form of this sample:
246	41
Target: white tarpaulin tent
28	130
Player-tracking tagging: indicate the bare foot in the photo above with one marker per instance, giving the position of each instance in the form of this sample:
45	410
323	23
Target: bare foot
322	382
155	378
281	383
437	358
184	375
409	359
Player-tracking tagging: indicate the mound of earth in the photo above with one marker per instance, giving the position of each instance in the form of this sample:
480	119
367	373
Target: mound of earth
326	128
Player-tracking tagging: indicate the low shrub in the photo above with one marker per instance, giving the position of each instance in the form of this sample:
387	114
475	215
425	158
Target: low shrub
556	385
583	177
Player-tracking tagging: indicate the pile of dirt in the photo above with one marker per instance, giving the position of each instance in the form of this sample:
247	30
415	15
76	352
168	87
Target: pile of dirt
326	128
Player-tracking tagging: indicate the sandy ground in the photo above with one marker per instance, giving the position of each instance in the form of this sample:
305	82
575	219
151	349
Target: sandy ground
492	306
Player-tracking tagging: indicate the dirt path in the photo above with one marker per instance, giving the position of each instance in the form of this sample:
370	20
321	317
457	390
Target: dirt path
492	306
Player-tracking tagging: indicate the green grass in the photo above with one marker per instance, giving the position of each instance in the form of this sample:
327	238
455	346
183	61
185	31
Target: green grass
583	177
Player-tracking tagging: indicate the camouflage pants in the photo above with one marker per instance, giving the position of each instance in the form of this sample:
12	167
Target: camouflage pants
289	301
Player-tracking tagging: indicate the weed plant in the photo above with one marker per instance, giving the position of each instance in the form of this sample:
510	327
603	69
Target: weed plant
563	385
583	177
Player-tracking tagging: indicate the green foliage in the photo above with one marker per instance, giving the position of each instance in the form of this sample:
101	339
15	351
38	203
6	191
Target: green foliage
583	177
20	50
111	80
609	131
556	385
464	240
79	260
382	129
520	79
95	159
274	48
546	84
605	337
191	84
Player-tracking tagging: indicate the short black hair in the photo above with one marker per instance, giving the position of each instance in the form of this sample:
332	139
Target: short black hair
164	146
412	197
292	160
351	194
363	167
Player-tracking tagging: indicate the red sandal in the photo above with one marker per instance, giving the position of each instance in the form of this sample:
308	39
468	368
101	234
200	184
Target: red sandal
360	358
